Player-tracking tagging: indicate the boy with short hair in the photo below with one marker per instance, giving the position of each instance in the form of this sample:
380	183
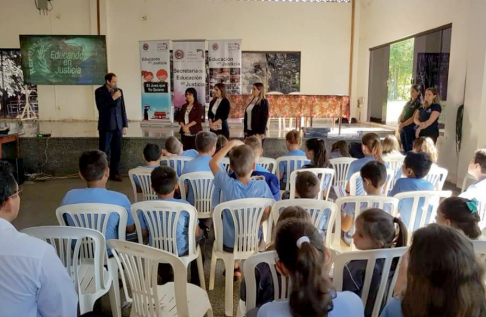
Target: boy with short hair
152	156
272	181
374	176
415	167
93	168
242	162
173	147
307	185
477	168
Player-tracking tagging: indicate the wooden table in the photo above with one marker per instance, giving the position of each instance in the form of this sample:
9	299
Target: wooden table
9	138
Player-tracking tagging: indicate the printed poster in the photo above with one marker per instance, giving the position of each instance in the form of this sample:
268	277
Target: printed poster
155	72
225	65
189	70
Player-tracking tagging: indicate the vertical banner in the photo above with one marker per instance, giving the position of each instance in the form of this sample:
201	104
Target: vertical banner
155	70
225	65
189	70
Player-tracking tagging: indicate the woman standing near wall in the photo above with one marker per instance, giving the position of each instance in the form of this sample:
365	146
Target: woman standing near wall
219	109
406	126
256	113
427	116
190	118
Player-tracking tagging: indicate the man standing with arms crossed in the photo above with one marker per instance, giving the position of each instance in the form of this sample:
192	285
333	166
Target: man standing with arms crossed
112	122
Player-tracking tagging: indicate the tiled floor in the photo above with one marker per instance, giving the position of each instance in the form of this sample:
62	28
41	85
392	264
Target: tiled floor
38	208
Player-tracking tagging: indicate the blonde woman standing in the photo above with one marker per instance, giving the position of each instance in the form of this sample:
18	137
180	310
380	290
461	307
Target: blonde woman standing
427	117
256	112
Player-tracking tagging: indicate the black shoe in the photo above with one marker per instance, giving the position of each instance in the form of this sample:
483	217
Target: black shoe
116	178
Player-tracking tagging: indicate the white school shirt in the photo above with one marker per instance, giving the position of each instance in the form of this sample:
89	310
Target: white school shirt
34	283
249	109
216	106
477	190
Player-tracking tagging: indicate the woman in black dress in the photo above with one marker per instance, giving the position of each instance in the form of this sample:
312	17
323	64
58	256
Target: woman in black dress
407	126
427	116
219	109
256	112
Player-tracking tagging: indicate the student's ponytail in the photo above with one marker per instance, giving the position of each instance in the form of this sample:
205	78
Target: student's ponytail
380	227
318	146
299	247
373	143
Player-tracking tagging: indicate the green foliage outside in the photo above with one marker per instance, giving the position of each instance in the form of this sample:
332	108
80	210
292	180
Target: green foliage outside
400	70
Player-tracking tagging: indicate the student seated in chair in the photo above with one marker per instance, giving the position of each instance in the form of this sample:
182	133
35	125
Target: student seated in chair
152	156
477	190
415	167
242	162
173	147
94	170
34	282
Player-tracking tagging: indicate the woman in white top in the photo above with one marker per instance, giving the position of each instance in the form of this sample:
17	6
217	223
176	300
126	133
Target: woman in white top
301	256
219	109
256	112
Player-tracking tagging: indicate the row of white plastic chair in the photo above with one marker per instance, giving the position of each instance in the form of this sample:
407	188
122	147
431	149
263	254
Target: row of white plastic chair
162	217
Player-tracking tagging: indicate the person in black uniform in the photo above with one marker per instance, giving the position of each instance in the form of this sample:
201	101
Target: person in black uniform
407	126
427	116
219	109
256	112
112	122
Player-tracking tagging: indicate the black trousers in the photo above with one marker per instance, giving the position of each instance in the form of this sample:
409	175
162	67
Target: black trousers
407	136
110	143
188	142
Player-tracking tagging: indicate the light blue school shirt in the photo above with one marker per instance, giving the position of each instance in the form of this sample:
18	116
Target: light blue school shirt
355	167
34	282
393	308
283	165
189	153
259	168
477	191
137	183
405	205
345	304
100	196
182	230
233	189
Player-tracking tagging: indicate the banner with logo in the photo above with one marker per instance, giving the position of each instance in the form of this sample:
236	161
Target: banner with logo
189	70
155	72
225	65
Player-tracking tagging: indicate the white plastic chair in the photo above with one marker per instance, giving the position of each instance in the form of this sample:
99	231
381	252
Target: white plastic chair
292	163
371	256
202	186
430	199
390	181
316	208
280	286
246	215
468	178
82	252
143	177
395	163
140	264
341	166
176	162
95	216
322	173
269	164
361	203
437	176
226	164
162	218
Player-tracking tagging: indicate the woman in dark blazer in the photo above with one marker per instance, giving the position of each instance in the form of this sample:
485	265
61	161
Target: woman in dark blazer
190	117
256	112
219	109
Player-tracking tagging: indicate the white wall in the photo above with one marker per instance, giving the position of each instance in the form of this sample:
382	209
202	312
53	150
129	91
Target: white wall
383	21
320	31
68	17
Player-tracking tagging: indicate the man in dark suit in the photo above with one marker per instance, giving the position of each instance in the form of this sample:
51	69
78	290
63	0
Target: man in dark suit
112	122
